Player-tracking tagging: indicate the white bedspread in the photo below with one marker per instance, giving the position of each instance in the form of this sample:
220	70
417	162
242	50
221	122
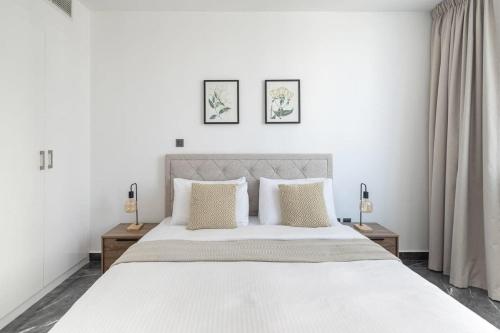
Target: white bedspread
348	297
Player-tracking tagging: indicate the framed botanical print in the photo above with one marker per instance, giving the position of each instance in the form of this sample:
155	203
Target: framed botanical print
282	101
221	101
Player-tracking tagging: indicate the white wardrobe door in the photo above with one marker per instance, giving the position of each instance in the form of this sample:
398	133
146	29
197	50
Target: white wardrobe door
21	110
67	135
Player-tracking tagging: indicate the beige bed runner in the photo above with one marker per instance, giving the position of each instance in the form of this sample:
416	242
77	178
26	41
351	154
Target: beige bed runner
312	250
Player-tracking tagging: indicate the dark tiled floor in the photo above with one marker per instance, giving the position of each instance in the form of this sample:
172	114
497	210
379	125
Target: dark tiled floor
475	299
45	313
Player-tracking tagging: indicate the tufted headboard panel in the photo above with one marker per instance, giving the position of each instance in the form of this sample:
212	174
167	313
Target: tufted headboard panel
251	166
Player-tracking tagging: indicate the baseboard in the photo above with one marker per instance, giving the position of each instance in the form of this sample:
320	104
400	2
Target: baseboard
95	256
5	320
414	255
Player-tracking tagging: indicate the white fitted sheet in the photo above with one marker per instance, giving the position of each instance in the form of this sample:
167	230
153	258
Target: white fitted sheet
379	296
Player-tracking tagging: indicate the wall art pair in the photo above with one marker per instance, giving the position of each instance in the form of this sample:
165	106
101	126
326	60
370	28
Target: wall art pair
221	101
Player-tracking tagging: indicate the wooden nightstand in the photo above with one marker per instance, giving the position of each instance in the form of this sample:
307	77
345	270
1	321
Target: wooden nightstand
118	240
382	236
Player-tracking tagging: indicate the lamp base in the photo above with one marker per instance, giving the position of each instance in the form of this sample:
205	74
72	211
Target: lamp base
362	227
135	227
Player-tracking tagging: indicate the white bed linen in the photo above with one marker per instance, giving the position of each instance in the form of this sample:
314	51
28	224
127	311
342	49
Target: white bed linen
348	297
254	230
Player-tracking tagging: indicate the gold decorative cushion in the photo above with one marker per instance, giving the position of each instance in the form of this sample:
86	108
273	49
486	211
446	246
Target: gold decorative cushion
303	205
213	206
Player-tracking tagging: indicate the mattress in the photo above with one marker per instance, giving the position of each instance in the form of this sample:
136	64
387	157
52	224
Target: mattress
352	297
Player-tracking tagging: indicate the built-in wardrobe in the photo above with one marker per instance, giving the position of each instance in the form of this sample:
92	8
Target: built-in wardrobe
44	106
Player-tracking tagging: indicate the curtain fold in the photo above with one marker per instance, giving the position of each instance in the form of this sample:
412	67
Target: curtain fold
464	133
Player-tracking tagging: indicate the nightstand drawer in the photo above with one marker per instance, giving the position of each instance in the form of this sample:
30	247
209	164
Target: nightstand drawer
388	243
118	244
382	236
117	240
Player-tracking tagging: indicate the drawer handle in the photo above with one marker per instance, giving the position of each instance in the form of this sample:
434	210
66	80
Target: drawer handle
42	160
377	239
50	155
124	240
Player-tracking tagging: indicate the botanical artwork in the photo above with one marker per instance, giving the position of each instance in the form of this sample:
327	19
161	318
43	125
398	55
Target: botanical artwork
221	102
217	102
282	101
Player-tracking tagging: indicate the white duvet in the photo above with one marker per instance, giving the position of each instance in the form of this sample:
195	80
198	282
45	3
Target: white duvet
353	297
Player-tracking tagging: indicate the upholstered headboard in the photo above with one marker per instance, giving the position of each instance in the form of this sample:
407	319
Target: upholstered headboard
251	166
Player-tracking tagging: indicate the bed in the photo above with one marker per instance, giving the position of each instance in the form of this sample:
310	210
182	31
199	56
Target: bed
279	285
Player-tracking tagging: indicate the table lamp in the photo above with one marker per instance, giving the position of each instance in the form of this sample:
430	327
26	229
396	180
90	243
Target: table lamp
365	206
131	207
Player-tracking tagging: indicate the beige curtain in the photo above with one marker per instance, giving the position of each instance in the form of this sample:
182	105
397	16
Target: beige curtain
464	144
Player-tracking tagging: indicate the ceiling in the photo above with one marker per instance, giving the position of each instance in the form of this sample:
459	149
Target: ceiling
262	5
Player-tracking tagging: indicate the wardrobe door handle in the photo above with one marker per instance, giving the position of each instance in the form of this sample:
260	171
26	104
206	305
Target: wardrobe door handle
42	160
50	156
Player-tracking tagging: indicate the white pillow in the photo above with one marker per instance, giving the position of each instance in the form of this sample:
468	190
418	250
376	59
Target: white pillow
181	210
269	198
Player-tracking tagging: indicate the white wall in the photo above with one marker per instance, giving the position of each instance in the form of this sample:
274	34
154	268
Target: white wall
44	104
364	82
